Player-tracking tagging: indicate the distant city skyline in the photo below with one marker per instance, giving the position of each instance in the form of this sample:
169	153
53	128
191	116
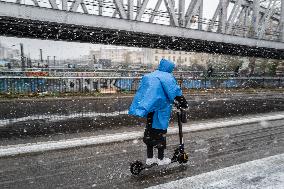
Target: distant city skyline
60	49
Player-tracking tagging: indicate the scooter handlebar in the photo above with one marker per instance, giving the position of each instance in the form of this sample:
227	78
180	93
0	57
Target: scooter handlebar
178	106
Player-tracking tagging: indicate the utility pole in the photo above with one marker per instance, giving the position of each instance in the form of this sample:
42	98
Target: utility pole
48	61
41	59
54	60
94	58
22	56
29	62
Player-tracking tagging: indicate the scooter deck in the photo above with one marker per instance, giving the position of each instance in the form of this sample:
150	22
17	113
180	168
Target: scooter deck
155	165
145	166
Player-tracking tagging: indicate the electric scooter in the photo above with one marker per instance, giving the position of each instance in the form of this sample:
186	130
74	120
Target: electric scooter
179	155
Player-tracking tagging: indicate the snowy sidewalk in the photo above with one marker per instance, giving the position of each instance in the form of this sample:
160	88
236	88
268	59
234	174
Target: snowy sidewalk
110	138
266	173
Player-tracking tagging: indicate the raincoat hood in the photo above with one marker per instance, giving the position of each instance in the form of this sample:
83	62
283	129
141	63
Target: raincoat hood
166	66
156	93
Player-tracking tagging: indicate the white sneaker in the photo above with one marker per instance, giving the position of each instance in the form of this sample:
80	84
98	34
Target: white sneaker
150	161
164	161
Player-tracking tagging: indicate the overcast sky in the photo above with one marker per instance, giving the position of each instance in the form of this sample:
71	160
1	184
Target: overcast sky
63	50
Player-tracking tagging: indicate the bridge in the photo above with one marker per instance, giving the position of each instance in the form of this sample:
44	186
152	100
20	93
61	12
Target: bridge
238	27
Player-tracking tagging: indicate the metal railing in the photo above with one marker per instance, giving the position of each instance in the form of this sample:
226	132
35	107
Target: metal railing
85	85
109	9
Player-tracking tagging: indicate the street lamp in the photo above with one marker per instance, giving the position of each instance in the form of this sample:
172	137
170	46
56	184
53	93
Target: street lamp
41	59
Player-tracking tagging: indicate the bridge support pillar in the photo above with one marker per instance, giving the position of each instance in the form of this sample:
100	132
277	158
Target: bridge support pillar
200	15
181	15
130	10
255	19
223	16
64	5
281	23
100	7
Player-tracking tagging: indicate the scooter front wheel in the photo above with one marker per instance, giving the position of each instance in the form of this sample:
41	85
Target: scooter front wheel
136	167
183	158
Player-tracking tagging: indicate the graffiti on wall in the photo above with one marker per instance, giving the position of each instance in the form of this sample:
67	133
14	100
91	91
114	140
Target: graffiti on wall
114	85
37	74
34	85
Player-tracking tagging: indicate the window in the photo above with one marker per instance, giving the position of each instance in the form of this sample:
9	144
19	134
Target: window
174	58
185	59
156	58
169	58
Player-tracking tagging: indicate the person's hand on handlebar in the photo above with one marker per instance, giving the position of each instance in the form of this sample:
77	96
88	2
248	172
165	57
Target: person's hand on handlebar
181	103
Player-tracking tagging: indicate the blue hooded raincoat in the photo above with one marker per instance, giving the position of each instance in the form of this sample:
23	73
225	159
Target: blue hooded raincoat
156	93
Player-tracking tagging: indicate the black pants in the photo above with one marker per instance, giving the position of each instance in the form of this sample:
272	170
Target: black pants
154	138
150	152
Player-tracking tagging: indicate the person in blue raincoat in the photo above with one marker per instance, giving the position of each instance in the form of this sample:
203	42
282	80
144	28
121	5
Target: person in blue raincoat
153	100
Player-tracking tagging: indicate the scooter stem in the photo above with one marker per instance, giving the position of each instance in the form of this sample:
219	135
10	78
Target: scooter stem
180	129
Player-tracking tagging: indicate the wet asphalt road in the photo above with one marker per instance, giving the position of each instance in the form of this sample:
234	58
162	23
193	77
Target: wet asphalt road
107	166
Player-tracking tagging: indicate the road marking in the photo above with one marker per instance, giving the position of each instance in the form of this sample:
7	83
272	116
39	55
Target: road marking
11	150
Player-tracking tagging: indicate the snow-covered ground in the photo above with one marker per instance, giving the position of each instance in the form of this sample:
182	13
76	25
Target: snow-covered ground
266	173
110	138
58	117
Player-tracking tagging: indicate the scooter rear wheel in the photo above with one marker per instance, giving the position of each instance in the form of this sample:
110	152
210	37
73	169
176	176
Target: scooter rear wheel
136	167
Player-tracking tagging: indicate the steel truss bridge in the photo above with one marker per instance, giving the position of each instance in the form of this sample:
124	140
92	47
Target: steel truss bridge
238	27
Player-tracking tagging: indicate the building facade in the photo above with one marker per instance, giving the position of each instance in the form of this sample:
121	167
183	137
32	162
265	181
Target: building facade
8	53
181	58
